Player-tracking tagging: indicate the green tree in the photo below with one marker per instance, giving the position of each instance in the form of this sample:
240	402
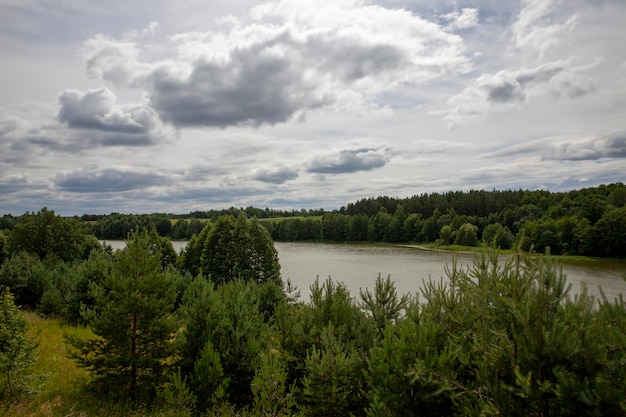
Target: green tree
26	276
383	304
133	323
223	336
429	232
47	234
180	230
17	352
272	396
239	248
609	233
4	246
467	235
446	236
378	228
190	258
498	235
163	226
412	227
333	378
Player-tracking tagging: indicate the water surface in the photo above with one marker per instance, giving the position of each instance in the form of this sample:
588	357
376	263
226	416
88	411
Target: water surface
358	266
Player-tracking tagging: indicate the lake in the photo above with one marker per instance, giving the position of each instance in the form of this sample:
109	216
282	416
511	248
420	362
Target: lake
358	265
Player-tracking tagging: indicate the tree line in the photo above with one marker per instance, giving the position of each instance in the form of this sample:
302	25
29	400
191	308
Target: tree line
589	221
215	331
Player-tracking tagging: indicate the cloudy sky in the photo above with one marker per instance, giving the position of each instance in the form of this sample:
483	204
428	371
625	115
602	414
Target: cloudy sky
156	106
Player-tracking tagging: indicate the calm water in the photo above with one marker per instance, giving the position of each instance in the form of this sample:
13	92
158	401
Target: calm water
358	266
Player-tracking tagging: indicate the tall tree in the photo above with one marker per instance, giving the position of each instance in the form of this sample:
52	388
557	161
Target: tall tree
239	248
133	323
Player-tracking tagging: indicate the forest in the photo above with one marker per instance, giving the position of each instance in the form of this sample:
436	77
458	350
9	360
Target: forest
214	330
589	221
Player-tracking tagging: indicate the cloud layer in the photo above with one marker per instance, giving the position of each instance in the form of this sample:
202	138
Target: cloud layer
145	107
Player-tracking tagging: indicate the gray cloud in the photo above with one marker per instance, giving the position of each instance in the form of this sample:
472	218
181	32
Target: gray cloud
610	145
214	195
511	87
275	67
572	85
500	90
253	88
13	183
106	180
115	125
275	176
348	160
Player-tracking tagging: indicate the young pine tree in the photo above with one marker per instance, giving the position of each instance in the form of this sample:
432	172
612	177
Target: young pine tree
133	323
17	352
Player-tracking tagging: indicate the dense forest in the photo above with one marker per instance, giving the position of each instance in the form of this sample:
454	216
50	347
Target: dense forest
589	221
214	330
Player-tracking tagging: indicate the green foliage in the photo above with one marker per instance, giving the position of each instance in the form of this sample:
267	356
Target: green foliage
467	235
609	233
379	227
17	352
383	305
177	395
224	334
190	258
499	236
273	397
333	378
239	248
4	247
91	273
210	384
133	324
446	236
390	391
46	234
26	276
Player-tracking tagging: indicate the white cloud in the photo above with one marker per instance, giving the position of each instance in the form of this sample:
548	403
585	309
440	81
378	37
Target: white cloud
534	29
465	19
290	58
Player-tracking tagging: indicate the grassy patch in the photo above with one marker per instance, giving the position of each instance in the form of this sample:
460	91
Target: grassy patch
60	385
57	379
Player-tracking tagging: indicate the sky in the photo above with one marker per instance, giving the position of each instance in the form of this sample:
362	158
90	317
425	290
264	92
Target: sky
149	106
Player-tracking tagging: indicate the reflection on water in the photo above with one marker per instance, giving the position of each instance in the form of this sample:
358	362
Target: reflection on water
358	265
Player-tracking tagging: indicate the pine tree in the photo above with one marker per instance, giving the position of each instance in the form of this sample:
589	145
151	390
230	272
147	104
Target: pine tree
17	352
133	323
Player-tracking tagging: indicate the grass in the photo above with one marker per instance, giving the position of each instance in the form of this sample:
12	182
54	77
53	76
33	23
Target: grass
61	386
59	381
